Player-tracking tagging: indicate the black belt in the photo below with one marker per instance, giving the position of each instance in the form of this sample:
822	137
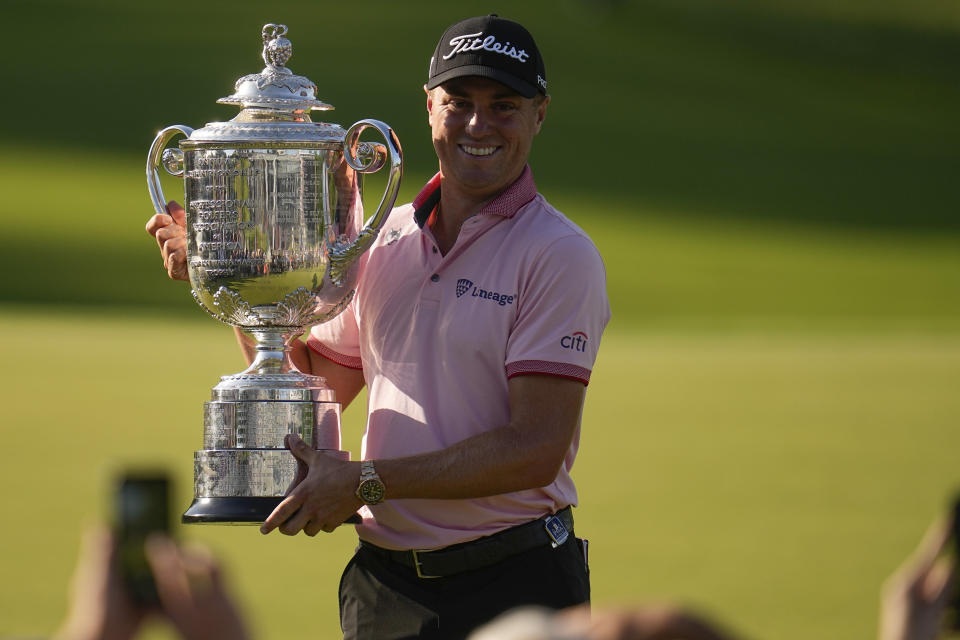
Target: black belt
482	552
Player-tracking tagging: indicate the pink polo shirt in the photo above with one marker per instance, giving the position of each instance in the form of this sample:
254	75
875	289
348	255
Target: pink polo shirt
523	291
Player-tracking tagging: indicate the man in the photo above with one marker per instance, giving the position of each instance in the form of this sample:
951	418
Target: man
475	328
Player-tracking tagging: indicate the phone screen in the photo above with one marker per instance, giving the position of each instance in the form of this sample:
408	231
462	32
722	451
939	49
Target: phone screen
141	508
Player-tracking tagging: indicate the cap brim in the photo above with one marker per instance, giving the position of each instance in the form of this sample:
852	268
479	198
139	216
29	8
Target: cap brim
525	89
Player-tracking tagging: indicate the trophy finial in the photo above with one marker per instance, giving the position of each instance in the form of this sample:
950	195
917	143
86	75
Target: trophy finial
276	49
276	88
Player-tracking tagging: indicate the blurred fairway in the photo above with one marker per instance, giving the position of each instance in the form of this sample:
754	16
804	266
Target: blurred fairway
773	479
773	419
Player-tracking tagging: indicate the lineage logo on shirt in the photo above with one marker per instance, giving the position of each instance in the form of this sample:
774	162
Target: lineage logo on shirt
465	286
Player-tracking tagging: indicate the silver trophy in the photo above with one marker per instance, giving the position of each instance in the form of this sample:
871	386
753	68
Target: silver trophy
274	229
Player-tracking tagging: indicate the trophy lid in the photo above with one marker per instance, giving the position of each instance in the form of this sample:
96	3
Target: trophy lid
276	86
276	104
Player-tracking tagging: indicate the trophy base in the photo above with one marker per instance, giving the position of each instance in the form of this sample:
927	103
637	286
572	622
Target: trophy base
239	511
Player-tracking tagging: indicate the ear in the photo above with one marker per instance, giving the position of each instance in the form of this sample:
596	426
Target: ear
429	102
542	112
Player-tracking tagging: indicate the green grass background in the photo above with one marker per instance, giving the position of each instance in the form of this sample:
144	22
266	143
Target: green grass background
773	418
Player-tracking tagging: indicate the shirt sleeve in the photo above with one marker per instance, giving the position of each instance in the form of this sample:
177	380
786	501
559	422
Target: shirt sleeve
563	310
338	339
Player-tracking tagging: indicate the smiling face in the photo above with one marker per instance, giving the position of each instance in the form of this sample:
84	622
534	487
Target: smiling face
482	133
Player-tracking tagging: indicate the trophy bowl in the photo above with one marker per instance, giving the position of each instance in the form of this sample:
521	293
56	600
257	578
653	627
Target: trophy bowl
274	231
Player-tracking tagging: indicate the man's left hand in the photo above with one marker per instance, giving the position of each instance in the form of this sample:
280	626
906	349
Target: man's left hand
322	499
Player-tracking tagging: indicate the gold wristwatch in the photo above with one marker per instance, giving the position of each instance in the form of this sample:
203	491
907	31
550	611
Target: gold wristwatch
371	489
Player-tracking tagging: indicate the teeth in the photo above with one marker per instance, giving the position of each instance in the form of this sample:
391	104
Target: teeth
478	151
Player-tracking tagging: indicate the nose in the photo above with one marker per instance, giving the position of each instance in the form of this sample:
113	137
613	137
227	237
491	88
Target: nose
478	123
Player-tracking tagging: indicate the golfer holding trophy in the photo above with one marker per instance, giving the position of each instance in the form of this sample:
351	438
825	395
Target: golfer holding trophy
472	315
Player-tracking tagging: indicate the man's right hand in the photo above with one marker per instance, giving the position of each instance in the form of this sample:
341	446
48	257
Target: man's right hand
170	230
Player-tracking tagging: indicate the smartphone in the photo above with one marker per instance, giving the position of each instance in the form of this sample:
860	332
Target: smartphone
141	508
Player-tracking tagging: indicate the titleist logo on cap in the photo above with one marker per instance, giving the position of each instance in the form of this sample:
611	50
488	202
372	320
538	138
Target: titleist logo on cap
476	42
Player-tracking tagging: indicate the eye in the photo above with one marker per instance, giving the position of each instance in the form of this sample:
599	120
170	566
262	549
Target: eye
504	107
457	104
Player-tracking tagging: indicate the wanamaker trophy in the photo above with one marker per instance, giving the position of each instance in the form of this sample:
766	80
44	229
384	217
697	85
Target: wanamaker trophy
274	230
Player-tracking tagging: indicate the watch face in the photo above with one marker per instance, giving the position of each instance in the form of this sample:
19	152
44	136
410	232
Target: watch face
371	491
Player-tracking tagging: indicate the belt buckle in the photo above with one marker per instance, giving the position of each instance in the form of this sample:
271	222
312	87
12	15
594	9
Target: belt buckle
416	565
556	530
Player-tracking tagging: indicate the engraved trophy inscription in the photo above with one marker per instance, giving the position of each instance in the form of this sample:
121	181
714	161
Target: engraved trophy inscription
275	227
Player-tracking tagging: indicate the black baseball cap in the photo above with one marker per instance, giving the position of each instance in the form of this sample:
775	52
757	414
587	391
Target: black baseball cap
491	47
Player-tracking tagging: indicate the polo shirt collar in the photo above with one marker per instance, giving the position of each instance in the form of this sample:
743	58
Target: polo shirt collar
522	191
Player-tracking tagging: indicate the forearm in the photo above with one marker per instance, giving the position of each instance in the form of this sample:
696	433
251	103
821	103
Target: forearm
496	462
524	454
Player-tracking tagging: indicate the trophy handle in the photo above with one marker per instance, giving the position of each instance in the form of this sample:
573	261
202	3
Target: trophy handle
172	160
365	157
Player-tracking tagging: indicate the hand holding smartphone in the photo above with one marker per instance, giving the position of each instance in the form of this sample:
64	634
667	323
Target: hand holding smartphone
141	508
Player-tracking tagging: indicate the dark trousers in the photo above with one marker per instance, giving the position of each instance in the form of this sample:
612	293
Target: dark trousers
383	600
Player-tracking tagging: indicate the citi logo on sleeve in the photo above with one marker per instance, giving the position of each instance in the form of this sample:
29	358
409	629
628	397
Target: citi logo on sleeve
575	342
464	286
